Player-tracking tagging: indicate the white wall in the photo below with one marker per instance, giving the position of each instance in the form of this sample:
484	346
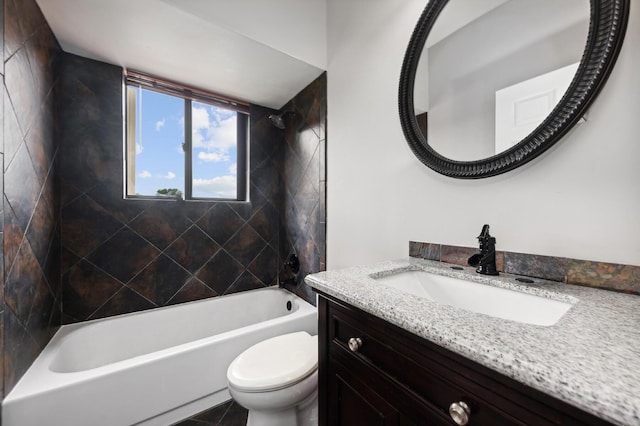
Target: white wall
581	199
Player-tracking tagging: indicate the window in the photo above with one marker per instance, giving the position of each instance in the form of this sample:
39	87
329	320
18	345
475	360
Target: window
183	142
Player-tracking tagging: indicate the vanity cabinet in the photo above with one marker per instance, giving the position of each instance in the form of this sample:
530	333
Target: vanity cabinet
374	373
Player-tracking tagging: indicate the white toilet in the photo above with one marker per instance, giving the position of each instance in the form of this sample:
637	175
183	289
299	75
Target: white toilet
277	381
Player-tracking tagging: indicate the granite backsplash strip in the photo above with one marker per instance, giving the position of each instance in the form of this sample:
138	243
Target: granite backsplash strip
606	276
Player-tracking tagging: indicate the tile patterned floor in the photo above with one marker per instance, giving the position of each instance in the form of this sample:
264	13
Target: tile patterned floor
227	414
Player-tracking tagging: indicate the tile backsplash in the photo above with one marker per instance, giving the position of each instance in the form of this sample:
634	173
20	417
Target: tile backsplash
607	276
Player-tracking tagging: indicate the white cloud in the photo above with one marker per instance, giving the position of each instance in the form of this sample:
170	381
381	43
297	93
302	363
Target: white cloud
222	186
213	157
144	174
224	135
159	125
200	118
199	124
233	169
215	131
139	148
169	175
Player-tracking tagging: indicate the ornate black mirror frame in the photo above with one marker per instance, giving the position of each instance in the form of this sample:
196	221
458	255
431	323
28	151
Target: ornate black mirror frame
606	33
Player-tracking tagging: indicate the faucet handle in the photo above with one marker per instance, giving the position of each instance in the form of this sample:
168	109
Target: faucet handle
293	263
474	260
484	233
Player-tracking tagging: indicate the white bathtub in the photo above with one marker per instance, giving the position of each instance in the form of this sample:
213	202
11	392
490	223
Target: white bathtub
149	368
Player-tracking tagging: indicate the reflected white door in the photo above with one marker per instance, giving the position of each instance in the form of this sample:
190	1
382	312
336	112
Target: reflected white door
520	108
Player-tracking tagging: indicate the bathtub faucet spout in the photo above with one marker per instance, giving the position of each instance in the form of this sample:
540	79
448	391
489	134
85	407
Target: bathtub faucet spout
288	281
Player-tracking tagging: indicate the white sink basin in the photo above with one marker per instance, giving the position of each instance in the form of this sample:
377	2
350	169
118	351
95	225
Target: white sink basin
484	299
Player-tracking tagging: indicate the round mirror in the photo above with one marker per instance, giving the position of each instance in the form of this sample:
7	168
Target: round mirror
488	85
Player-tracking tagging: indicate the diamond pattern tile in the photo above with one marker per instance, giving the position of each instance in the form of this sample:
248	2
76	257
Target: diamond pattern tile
86	225
42	308
265	266
124	301
192	249
124	255
21	186
12	236
13	134
246	245
19	83
267	178
85	288
109	197
195	211
220	272
304	179
160	281
194	289
265	222
220	222
32	305
161	224
20	350
41	230
247	281
21	281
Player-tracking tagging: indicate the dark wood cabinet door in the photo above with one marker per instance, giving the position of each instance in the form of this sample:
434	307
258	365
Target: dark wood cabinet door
353	403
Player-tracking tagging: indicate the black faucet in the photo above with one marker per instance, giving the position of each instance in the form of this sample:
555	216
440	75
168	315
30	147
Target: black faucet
486	259
293	266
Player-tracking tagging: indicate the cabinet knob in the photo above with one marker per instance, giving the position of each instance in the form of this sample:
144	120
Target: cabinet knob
460	412
355	343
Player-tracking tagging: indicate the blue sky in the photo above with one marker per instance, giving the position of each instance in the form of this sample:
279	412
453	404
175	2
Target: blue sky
159	137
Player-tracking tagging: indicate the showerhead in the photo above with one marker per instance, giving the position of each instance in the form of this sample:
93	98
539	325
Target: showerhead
277	120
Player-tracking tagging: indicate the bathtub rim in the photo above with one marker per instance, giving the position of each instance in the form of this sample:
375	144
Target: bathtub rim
69	331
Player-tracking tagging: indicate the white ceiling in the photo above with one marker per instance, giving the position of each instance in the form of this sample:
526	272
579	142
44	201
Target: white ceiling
253	50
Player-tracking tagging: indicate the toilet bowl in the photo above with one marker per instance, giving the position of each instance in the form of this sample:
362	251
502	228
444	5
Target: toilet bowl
277	380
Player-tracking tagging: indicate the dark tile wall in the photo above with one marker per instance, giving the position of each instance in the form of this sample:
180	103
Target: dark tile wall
121	255
607	276
31	302
303	214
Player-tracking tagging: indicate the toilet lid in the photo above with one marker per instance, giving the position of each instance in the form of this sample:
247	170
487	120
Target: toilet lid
275	363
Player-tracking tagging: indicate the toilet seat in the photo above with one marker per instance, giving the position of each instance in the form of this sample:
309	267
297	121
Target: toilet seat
275	363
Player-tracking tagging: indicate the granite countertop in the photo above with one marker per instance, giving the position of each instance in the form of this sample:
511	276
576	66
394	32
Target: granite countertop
590	358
